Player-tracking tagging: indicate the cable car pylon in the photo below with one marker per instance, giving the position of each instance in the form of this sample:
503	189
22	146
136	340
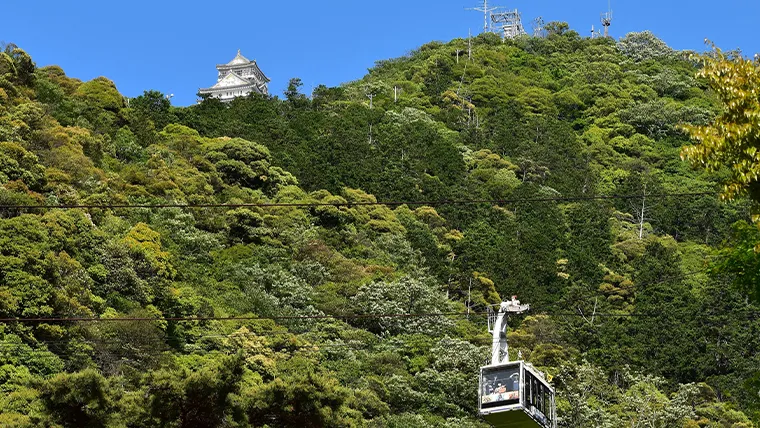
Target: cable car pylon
513	394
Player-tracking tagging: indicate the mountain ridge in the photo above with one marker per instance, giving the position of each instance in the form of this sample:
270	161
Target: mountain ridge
662	337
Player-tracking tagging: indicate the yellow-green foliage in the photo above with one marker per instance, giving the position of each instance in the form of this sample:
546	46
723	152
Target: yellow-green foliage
487	289
378	218
143	240
732	139
102	93
543	124
56	75
619	290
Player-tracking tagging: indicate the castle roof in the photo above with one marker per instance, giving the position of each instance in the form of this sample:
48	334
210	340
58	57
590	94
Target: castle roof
239	60
240	73
231	80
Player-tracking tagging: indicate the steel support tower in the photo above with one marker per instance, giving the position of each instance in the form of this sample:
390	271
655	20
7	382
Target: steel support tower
509	23
606	22
486	13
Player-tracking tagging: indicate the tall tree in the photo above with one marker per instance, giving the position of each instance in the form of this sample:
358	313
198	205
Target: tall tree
732	140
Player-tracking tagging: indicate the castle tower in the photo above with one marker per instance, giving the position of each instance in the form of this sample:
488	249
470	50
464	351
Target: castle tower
237	78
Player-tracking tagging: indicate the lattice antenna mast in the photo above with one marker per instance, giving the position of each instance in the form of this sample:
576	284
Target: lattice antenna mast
486	14
510	23
469	45
538	27
595	33
607	20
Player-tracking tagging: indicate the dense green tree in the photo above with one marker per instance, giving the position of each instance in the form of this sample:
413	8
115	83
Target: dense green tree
729	141
203	397
560	152
306	397
153	106
79	399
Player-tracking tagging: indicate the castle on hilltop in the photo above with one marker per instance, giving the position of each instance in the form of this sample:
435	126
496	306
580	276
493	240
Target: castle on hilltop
237	78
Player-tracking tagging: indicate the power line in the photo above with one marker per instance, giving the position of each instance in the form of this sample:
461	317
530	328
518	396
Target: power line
314	347
751	312
310	343
351	344
234	318
486	13
354	204
548	312
192	339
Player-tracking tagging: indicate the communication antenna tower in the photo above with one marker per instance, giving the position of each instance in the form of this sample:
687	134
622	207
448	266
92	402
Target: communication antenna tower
595	33
607	20
486	13
469	45
509	22
538	27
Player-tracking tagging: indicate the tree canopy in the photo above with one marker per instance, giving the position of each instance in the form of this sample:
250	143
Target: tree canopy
251	296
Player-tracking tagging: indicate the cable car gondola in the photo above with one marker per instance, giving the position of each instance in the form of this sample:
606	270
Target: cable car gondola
513	394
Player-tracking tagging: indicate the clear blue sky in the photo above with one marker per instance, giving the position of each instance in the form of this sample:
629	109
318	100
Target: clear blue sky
173	46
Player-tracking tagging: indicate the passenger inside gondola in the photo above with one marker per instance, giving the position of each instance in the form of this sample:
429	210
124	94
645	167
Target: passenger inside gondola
501	387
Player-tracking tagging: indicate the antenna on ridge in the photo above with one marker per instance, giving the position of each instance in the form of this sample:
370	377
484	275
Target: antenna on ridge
509	22
607	19
538	27
486	14
469	45
595	33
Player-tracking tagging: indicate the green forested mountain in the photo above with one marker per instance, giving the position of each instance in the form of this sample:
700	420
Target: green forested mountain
644	307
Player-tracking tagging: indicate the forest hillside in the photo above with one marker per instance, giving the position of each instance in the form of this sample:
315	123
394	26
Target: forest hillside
227	265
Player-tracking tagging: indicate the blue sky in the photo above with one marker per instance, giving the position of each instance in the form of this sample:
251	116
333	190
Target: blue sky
173	46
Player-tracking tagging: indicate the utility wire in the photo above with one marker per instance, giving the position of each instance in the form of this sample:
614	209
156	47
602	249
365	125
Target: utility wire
237	318
753	313
310	346
307	343
17	348
353	204
548	312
